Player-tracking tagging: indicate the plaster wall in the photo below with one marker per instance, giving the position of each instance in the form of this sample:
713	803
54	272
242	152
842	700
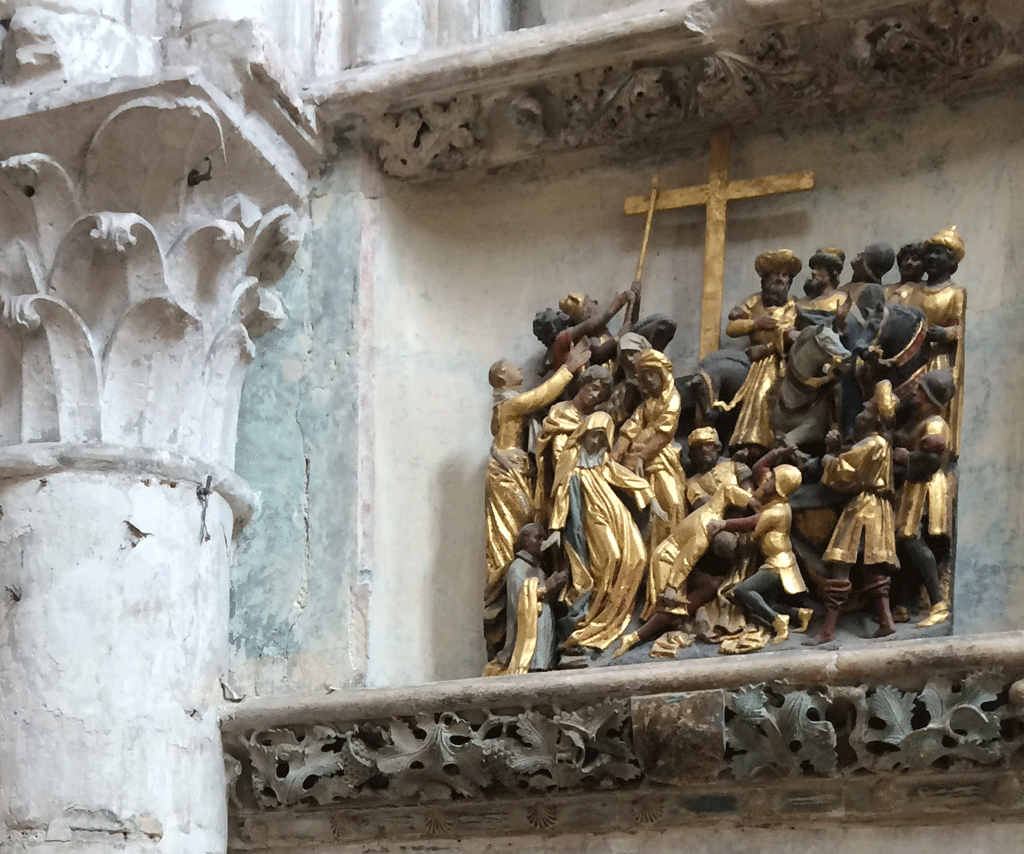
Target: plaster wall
452	273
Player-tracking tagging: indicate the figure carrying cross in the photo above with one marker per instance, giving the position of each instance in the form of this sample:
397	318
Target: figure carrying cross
714	196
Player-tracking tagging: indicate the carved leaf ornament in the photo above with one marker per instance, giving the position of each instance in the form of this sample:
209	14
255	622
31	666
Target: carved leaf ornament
918	48
770	732
129	297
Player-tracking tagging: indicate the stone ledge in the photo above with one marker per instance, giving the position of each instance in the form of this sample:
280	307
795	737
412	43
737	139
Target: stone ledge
853	734
659	76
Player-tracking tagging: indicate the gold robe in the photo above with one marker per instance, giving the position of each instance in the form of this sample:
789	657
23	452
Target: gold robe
753	427
772	535
676	556
830	302
614	567
934	496
562	419
701	487
652	425
943	306
865	469
508	492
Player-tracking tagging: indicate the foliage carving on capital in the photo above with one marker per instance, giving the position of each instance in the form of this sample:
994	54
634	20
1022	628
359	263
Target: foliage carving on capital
130	288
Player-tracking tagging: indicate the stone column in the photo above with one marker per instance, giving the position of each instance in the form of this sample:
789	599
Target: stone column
138	235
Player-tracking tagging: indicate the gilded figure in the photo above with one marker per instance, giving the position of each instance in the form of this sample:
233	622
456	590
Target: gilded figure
924	507
530	642
768	319
646	443
944	305
604	545
865	530
821	290
509	487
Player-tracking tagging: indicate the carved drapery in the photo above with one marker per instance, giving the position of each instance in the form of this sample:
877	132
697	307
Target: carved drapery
723	71
132	283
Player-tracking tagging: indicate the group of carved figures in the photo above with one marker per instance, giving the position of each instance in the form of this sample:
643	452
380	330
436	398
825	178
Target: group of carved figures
810	474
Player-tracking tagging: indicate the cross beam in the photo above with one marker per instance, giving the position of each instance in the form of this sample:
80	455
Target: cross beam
714	196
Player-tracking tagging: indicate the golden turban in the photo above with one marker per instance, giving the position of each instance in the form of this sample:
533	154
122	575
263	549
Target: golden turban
703	436
951	240
779	261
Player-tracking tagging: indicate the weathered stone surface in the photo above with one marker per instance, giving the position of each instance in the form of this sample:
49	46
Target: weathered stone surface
679	737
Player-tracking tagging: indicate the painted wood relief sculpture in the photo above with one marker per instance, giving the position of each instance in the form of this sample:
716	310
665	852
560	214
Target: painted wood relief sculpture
800	481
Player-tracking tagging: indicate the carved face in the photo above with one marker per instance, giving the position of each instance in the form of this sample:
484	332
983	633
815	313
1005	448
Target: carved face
594	441
512	375
820	280
938	261
531	539
867	421
775	288
592	395
859	268
911	267
766	491
704	456
651	381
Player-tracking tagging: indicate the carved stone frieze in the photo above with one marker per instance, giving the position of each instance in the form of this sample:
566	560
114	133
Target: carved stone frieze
440	756
132	279
769	77
833	748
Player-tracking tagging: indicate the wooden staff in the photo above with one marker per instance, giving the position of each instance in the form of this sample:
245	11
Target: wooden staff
652	201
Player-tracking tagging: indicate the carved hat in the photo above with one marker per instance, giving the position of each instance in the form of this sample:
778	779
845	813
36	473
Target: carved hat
884	400
573	304
787	479
779	261
830	258
938	387
949	238
703	436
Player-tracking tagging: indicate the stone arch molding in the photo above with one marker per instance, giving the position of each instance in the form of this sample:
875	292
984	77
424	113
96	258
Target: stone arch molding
130	290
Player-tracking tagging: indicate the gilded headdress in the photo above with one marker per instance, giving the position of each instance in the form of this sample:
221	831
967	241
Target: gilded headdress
949	238
703	436
779	261
573	304
787	479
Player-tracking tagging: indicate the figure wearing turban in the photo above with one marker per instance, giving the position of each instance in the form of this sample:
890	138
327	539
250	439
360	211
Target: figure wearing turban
767	318
944	305
822	288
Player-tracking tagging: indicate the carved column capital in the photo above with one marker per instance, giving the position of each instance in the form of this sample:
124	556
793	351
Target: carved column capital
135	263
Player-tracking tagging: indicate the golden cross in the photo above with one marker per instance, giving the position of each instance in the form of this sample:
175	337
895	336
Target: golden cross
714	195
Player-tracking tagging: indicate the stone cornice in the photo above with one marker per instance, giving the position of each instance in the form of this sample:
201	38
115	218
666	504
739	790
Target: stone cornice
854	735
653	77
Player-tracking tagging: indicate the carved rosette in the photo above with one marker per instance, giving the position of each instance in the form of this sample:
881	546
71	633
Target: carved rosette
132	283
